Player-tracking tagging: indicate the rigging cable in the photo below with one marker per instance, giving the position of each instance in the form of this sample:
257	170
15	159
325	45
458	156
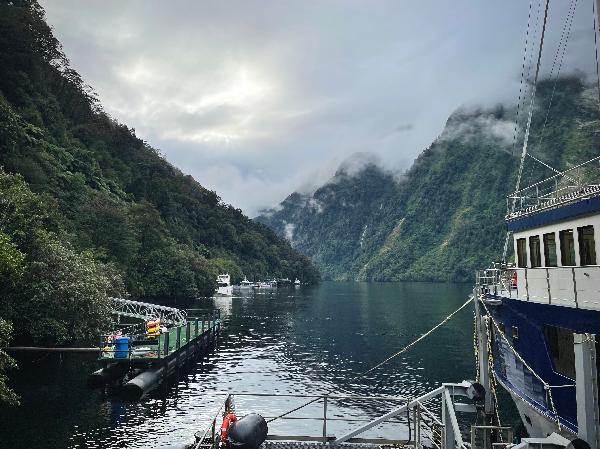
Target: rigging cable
564	40
521	92
530	64
596	49
373	368
533	88
531	105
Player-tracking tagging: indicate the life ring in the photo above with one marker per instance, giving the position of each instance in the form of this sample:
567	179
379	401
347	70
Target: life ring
513	282
228	420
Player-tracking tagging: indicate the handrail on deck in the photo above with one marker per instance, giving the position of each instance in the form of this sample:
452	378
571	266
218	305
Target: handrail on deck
442	432
164	343
547	193
562	173
145	310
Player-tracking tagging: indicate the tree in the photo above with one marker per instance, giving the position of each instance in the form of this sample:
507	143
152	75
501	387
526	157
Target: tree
7	395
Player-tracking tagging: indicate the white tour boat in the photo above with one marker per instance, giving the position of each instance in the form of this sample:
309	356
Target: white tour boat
224	287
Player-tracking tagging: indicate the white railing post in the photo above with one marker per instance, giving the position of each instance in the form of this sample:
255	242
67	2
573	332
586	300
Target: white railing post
586	389
387	416
446	420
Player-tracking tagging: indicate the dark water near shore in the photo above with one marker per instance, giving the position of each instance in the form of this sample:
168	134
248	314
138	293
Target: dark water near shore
310	340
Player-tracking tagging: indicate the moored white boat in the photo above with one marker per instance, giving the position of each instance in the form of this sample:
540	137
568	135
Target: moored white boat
224	287
244	285
265	285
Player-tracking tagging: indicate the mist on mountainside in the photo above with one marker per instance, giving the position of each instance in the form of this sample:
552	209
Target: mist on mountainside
442	218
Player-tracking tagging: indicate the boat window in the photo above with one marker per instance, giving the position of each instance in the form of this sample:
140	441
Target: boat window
534	248
587	245
522	253
567	248
550	250
560	343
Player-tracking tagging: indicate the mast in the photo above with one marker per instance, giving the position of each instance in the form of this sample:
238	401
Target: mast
531	103
528	127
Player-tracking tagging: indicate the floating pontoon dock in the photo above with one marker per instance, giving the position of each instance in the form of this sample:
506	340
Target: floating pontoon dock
146	361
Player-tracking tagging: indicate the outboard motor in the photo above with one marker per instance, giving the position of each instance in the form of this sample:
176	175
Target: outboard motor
247	433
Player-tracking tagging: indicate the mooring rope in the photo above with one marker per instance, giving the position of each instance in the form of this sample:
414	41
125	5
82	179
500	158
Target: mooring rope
401	351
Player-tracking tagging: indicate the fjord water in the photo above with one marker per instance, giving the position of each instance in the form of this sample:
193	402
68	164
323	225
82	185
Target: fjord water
310	340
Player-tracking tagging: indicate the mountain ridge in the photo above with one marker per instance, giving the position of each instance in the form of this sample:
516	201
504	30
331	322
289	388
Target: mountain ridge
441	219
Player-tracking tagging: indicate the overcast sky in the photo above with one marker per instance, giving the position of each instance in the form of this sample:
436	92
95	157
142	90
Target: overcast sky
256	99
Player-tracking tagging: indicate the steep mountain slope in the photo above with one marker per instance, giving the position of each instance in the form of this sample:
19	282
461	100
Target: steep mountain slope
443	218
115	196
330	225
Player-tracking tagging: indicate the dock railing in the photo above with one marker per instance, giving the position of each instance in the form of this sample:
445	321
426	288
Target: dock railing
142	346
577	182
428	421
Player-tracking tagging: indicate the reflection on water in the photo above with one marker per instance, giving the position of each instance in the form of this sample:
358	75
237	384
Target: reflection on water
308	340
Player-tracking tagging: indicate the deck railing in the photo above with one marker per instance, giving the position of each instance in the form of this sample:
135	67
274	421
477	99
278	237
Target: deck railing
575	286
577	182
426	421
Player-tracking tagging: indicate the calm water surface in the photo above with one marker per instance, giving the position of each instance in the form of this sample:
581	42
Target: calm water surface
310	340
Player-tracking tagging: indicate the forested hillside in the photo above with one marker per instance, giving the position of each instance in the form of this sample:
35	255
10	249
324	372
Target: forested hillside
88	209
444	217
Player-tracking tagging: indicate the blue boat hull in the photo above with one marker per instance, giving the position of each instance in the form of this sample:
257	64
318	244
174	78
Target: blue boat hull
523	324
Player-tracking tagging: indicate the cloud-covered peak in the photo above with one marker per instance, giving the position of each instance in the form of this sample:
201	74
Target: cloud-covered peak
357	162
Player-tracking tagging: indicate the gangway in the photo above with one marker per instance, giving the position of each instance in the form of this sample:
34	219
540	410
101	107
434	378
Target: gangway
145	311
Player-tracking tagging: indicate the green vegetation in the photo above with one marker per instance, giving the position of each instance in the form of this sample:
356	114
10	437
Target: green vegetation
444	217
114	196
88	210
7	396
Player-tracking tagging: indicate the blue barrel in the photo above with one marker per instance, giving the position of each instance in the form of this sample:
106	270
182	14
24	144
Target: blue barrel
121	347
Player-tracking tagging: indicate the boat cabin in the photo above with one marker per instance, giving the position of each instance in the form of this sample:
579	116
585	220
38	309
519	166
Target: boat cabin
556	241
557	261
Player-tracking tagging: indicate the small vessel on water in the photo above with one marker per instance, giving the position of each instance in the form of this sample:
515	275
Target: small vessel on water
245	284
224	287
265	285
297	282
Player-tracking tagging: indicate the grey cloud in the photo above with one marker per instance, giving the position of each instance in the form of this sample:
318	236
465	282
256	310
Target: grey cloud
403	127
501	131
258	98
